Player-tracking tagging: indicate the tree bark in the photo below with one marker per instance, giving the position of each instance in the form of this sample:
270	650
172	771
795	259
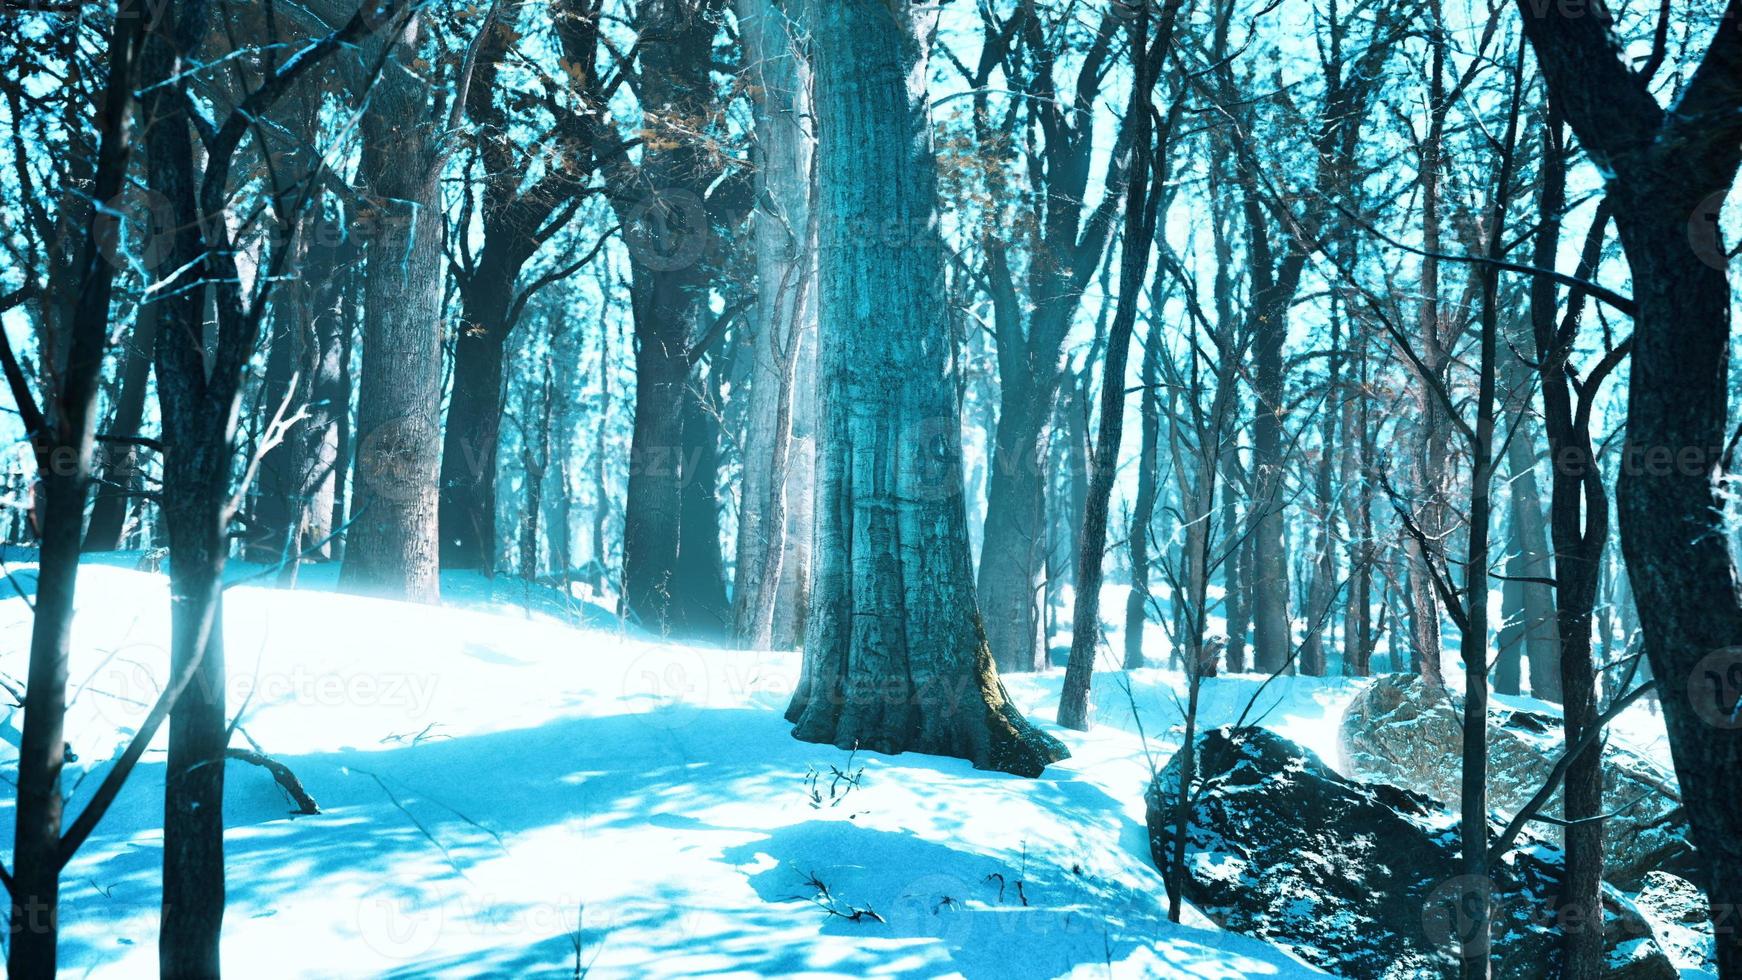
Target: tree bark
784	315
895	657
393	543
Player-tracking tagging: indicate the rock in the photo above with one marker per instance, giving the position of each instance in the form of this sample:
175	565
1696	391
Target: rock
1362	879
1398	730
1681	917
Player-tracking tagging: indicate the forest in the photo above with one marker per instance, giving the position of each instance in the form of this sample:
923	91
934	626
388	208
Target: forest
842	488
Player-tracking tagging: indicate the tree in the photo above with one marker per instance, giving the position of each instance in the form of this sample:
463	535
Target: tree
62	436
1060	237
784	320
518	216
895	656
1663	170
1144	194
392	547
668	204
199	393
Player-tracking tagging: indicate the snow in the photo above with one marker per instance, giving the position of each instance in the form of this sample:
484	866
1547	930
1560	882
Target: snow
505	792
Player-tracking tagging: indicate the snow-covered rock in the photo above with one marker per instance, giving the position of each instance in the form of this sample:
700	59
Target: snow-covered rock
1399	730
1361	879
1681	917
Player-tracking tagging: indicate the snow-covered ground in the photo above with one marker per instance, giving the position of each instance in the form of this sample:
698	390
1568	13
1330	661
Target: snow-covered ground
500	787
505	793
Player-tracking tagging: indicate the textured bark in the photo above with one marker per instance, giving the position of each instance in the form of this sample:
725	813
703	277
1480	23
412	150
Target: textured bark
785	315
895	657
392	547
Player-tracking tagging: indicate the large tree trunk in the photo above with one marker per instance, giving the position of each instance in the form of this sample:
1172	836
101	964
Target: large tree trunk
664	212
895	657
784	314
653	504
393	541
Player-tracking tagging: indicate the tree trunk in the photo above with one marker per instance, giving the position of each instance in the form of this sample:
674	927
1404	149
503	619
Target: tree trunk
63	446
298	477
784	314
1012	554
467	507
664	213
699	607
1272	639
108	530
1143	509
393	543
1542	644
895	657
1141	210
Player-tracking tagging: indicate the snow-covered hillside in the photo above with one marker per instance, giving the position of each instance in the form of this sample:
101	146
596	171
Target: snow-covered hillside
505	794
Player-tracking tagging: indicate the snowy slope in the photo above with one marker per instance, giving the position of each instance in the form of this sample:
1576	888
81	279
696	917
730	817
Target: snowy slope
500	787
